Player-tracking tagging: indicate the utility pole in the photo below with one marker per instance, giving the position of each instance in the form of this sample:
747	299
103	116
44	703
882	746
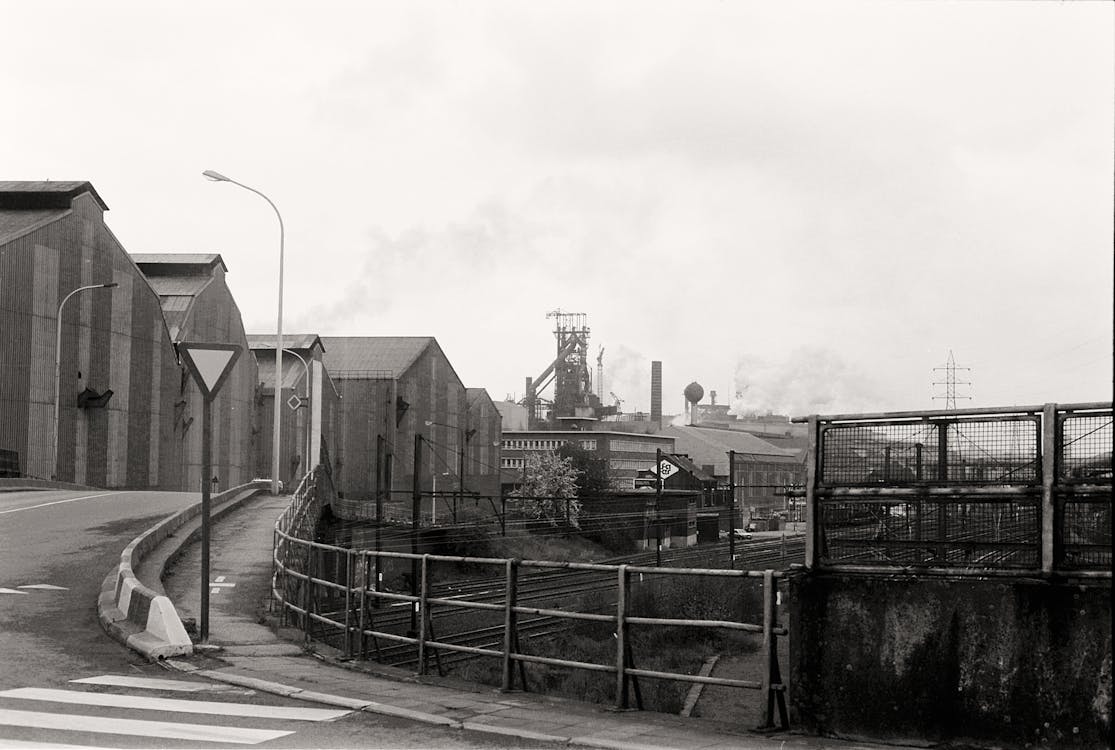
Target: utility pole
415	510
658	506
732	509
950	382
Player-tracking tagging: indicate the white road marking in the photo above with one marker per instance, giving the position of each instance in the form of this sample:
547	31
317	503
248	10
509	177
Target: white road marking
150	683
219	708
12	591
44	587
19	744
220	579
139	728
57	502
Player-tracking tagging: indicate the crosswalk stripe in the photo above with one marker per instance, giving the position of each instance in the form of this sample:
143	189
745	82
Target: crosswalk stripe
149	683
221	708
139	728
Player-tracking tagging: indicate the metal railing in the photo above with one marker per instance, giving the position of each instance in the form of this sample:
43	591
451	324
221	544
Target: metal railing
331	593
1006	491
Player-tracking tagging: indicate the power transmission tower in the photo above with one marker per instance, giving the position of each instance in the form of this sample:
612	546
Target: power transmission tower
950	382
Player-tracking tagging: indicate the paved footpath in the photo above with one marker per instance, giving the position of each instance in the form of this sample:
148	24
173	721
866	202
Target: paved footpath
253	654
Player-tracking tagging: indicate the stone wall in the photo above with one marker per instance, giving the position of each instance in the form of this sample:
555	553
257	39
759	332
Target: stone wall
994	662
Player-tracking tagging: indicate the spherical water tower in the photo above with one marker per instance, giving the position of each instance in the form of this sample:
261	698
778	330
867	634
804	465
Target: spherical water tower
693	395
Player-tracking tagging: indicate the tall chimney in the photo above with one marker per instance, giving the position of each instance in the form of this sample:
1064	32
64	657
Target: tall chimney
656	393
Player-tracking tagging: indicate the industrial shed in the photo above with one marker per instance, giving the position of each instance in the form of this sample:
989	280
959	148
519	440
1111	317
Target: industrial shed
199	308
393	388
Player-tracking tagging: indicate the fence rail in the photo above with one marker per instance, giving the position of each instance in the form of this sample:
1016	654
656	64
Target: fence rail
1022	489
330	592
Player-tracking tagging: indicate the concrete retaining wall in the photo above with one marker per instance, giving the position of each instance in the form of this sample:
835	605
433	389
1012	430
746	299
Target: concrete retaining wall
1021	662
135	613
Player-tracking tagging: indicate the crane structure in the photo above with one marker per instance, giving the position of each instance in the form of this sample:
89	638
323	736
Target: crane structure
573	396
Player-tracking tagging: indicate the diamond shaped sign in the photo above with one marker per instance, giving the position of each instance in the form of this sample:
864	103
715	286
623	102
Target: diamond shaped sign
210	364
294	402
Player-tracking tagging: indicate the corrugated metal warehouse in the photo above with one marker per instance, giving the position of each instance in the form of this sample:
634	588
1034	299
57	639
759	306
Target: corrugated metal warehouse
124	401
393	387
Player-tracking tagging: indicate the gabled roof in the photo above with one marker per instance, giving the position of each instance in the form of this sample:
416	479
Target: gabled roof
293	370
36	194
290	341
349	355
162	264
709	447
15	222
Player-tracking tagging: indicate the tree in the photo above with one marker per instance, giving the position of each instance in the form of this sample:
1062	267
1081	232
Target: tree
593	478
550	489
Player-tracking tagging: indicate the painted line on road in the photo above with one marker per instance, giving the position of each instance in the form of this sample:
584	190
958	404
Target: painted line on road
44	587
142	702
150	683
139	727
13	591
58	502
25	745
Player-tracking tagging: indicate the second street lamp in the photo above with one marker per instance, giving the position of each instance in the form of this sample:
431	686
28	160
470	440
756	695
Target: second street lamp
277	414
58	371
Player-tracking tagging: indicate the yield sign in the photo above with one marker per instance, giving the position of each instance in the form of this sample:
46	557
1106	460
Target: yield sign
210	364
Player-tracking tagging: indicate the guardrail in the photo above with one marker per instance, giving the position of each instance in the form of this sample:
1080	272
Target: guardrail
306	588
1005	491
134	613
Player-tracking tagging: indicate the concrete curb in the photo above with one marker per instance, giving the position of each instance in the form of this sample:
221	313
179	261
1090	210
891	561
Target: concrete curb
137	615
288	691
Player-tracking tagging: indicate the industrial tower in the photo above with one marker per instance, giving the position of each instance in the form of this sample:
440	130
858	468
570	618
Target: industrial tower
570	373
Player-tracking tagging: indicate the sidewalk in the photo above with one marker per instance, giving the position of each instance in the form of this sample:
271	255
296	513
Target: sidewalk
254	655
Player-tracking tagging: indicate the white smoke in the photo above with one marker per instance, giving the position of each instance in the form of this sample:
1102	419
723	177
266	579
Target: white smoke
809	380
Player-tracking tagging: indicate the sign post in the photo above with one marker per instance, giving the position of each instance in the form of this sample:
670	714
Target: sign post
210	365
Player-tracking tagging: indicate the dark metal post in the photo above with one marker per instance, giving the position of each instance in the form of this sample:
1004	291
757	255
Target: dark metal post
943	502
381	482
415	509
732	510
658	506
812	473
206	470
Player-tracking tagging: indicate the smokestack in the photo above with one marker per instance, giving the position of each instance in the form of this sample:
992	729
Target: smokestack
656	393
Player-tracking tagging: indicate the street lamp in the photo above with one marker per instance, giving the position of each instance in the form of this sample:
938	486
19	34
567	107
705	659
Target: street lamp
58	372
306	367
218	177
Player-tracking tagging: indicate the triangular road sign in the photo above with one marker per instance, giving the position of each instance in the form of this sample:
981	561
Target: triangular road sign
210	364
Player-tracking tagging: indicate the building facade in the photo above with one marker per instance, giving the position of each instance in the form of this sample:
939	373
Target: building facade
625	453
399	395
118	379
198	307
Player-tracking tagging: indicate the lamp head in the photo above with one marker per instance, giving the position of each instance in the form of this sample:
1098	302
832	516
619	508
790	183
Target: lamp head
209	174
110	285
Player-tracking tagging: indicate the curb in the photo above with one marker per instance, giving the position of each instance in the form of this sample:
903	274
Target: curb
289	691
135	614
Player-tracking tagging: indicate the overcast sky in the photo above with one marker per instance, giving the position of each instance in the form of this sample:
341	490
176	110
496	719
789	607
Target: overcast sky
804	204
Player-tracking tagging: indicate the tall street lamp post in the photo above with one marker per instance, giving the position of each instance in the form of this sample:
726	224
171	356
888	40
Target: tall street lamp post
58	372
218	177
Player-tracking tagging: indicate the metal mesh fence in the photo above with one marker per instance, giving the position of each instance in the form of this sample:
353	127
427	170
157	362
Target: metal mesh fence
985	451
1084	497
947	531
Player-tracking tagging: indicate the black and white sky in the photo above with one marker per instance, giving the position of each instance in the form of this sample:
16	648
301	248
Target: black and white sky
803	206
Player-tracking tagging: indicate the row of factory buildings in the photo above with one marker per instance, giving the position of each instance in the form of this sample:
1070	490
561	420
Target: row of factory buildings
93	390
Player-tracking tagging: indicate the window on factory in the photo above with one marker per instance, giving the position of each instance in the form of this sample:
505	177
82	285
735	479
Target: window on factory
588	445
631	464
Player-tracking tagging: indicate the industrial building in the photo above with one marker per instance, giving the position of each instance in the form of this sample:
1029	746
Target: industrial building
81	319
392	389
309	402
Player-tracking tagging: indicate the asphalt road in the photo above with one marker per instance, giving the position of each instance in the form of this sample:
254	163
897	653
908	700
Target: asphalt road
63	681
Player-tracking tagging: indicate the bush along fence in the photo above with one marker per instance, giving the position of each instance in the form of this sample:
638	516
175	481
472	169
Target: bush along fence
998	491
335	595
